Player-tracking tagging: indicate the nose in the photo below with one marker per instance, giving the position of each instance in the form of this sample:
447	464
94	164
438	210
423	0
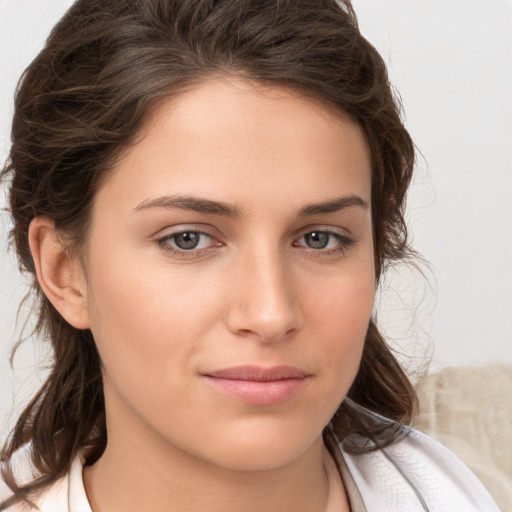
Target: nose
264	303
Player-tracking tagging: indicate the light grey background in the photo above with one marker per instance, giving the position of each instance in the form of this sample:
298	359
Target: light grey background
451	60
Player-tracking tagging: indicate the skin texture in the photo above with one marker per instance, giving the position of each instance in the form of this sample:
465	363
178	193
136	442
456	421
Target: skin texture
253	292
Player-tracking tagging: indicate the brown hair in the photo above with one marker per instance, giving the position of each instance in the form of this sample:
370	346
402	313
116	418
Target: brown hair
85	97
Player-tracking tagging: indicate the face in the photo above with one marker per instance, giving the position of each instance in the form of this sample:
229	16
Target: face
230	275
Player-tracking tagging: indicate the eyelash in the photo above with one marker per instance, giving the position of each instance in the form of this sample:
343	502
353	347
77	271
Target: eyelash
345	242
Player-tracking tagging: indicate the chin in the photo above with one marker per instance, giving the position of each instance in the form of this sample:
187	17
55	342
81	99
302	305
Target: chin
263	449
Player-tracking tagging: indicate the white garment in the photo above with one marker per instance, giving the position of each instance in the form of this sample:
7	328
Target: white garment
395	479
418	468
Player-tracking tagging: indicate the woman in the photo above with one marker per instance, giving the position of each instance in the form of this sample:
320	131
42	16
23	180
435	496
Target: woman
206	193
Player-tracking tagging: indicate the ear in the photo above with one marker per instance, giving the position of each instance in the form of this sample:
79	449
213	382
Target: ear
60	275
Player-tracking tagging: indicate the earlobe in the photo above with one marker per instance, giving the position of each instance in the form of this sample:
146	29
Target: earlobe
58	273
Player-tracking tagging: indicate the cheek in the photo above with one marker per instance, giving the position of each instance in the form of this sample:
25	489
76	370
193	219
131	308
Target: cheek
340	311
346	322
343	301
149	329
148	322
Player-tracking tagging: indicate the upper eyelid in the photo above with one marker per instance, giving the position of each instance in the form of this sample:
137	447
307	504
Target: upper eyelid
170	231
335	230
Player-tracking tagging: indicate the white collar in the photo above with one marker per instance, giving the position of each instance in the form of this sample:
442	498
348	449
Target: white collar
78	501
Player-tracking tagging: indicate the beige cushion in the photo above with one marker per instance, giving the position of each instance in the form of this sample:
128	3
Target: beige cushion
469	410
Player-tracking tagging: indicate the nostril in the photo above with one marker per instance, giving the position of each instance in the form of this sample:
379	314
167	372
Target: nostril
268	335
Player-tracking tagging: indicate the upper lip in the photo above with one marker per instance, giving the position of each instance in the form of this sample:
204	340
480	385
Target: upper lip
258	373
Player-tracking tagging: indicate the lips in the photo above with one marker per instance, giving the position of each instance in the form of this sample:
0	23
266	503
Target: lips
260	374
258	385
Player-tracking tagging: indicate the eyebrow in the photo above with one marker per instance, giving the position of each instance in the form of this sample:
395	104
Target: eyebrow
196	204
202	205
333	205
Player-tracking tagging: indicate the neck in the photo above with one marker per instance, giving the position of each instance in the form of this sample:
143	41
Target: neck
156	476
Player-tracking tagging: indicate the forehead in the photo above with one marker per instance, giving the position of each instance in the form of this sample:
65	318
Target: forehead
236	138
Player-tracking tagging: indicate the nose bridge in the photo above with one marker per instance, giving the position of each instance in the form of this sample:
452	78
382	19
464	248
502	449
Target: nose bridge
266	305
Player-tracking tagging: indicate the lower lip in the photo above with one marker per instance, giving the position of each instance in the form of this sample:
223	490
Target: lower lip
259	392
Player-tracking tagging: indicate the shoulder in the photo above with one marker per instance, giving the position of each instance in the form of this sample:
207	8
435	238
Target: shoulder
53	498
417	473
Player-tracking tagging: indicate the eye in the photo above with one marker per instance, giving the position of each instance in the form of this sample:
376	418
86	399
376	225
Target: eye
186	241
328	241
317	239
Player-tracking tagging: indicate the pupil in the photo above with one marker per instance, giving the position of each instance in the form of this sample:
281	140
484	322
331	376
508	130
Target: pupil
187	240
317	240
